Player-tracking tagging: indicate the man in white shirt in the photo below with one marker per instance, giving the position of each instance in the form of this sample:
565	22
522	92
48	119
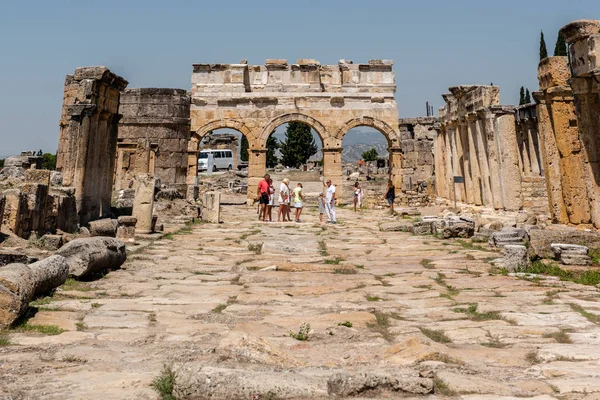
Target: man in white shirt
330	202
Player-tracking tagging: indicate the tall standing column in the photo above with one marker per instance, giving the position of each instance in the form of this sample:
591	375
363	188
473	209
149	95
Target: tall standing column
449	163
474	159
484	168
396	161
583	38
463	138
440	164
257	168
505	132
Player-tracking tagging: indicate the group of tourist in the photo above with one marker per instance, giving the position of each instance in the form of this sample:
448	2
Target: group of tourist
326	201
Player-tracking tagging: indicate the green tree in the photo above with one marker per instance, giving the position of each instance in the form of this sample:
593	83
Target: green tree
1	162
527	97
298	146
244	149
272	146
560	49
370	155
543	50
522	96
49	161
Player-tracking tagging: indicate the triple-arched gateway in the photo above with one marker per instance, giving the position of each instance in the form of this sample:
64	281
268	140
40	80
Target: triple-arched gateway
332	99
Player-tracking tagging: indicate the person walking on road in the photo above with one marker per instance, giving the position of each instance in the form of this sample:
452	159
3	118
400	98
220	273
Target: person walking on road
357	196
298	197
390	195
330	203
263	196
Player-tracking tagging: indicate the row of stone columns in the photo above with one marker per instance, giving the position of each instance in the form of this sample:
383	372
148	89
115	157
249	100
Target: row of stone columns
479	145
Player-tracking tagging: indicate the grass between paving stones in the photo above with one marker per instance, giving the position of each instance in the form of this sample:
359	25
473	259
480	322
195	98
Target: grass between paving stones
475	315
383	281
347	324
561	336
381	325
469	245
4	341
588	277
435	335
359	286
73	284
440	279
323	248
256	248
43	329
164	384
219	308
588	315
302	334
334	261
345	271
427	263
446	359
441	387
70	358
248	234
373	298
533	358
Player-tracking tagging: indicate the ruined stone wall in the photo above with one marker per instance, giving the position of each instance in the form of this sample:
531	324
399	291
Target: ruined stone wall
153	136
559	141
88	138
332	99
583	39
533	182
478	141
418	136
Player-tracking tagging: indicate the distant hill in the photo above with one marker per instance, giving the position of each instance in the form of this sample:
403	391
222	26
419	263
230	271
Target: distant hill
353	153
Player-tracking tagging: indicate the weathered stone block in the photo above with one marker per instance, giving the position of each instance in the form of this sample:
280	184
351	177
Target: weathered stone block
508	236
126	229
540	241
211	207
104	227
143	203
515	258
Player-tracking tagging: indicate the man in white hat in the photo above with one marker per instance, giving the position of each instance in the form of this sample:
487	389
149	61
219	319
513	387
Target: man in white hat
330	202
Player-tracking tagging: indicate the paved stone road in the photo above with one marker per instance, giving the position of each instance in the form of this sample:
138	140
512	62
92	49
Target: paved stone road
378	303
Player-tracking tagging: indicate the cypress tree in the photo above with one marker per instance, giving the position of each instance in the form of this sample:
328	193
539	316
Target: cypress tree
522	96
272	146
244	149
298	146
527	97
561	47
543	50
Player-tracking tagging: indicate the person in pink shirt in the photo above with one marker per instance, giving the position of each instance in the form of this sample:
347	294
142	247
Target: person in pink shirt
263	196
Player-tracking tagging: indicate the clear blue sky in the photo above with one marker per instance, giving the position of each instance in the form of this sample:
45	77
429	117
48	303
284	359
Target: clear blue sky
435	44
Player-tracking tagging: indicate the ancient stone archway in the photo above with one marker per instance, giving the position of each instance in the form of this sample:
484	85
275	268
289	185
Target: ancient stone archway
262	97
197	137
392	136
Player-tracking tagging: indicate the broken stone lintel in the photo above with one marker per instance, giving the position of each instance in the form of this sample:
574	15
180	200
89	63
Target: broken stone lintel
100	73
81	110
502	110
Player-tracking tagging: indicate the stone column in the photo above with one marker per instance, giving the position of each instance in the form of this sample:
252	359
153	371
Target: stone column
583	38
484	168
332	169
396	161
508	155
449	162
257	168
440	164
551	162
87	144
533	156
211	207
463	138
458	164
143	203
192	169
474	159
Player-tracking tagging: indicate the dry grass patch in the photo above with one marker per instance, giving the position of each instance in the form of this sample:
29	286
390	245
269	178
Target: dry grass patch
435	335
561	336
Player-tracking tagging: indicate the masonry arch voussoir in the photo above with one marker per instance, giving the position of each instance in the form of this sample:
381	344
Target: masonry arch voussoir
292	117
224	123
389	132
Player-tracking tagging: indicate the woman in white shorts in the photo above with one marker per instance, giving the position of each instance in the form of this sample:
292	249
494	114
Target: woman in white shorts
298	197
284	201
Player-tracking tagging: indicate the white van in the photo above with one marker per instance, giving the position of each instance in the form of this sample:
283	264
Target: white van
223	159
